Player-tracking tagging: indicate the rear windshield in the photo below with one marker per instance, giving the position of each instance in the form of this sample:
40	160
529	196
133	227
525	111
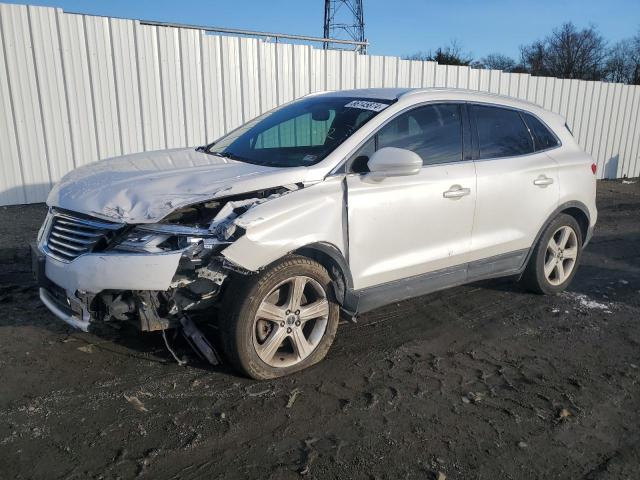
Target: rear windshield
300	133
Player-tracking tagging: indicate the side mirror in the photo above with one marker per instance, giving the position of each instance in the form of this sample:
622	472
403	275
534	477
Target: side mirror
394	162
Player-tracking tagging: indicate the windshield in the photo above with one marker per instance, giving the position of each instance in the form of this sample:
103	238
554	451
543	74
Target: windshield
300	133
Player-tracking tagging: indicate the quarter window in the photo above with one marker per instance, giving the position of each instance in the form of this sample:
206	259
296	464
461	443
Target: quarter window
501	132
434	132
542	136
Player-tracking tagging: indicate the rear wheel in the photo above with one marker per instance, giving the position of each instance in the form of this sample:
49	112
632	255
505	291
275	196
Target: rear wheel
281	321
555	258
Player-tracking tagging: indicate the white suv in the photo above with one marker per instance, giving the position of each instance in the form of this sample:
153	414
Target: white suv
339	201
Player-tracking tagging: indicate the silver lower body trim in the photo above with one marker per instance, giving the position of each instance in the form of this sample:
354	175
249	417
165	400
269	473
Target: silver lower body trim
72	320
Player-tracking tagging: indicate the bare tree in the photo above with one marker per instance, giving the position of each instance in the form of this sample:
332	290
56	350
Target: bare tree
623	61
567	53
636	59
533	58
421	56
619	66
497	61
576	54
451	54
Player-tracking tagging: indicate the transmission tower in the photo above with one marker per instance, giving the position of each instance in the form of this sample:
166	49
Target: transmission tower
344	20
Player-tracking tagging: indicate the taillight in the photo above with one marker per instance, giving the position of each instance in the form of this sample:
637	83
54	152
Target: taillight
594	168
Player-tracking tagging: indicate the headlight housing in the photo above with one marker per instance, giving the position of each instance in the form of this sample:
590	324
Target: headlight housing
158	238
209	223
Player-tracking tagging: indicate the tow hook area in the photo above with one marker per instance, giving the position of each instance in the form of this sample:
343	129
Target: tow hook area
198	341
191	299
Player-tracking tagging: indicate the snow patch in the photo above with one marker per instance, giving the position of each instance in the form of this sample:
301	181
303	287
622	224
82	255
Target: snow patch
587	303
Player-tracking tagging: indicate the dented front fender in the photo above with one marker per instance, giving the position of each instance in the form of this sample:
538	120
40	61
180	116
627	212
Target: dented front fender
272	229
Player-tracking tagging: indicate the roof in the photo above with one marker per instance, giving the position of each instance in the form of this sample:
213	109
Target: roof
377	93
467	95
397	93
458	92
439	93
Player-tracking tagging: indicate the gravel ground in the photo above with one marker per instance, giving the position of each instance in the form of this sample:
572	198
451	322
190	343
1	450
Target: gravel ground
18	226
482	381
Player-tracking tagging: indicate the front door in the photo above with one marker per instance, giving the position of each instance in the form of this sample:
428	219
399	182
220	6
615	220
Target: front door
400	227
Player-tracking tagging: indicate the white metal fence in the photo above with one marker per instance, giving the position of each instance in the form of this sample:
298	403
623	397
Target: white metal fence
77	88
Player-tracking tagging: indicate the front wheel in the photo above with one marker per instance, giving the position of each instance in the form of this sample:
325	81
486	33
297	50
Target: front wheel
555	257
280	321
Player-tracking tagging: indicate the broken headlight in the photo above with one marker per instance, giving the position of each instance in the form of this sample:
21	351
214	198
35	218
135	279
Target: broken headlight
157	238
210	224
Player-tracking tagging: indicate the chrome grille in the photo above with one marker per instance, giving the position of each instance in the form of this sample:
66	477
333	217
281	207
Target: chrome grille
70	236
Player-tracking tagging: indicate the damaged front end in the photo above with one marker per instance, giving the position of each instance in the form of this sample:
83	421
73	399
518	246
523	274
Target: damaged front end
161	276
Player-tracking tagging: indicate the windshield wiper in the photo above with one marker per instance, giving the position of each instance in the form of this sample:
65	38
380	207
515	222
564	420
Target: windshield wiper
205	148
230	156
233	156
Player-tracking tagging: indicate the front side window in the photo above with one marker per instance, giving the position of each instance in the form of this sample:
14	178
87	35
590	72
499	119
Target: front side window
542	136
434	132
501	132
301	133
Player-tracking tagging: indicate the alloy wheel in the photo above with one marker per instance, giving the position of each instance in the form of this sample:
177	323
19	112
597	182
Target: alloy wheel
561	255
290	322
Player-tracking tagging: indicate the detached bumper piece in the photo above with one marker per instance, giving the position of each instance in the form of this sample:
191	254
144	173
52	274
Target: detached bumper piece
198	341
150	321
55	298
62	311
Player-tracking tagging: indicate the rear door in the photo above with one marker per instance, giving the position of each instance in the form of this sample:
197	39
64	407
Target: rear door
405	226
518	187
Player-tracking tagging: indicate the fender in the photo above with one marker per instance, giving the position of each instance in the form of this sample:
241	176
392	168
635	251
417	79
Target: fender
310	215
328	253
334	253
572	204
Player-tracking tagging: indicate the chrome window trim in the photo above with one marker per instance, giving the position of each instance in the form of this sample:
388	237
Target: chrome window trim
520	111
387	121
336	170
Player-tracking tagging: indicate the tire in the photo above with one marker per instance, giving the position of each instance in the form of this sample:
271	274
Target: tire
256	317
561	264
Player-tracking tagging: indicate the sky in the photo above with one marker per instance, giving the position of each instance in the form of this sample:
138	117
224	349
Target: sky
393	27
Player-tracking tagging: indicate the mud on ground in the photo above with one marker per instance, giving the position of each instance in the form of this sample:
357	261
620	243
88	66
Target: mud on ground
482	381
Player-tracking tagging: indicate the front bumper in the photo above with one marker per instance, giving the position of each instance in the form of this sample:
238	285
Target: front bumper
80	320
95	272
64	286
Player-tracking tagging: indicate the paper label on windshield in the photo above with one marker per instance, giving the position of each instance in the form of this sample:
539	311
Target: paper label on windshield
365	105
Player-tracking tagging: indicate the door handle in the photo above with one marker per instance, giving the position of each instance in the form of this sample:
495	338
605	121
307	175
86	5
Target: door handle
543	181
456	191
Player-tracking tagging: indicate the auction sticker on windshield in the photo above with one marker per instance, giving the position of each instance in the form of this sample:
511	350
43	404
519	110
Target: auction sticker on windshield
365	105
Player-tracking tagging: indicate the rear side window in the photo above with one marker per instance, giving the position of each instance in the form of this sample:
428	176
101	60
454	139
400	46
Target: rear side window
501	132
434	132
542	136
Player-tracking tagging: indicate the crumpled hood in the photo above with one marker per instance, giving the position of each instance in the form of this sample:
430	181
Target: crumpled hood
146	187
